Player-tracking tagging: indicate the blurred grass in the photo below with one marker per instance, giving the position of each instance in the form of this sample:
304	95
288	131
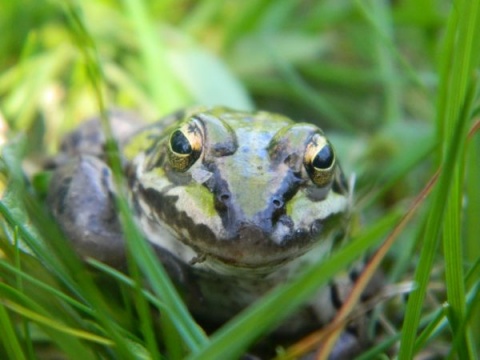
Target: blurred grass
394	84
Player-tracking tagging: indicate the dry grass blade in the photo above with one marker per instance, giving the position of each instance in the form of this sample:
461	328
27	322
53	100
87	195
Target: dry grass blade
81	334
475	127
315	339
342	317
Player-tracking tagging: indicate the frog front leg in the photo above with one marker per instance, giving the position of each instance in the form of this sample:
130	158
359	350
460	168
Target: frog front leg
81	198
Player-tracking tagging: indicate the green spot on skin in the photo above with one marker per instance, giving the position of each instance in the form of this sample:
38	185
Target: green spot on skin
202	197
138	144
158	171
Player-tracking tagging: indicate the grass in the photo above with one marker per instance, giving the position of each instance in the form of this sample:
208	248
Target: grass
394	85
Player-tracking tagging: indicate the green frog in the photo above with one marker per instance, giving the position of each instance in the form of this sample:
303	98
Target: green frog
233	202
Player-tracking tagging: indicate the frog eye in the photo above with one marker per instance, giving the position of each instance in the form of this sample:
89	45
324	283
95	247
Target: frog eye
319	160
185	146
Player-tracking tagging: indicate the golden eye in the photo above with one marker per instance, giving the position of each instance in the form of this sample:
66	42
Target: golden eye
185	145
319	160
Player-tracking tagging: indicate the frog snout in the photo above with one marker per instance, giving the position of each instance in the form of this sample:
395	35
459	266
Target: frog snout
267	227
254	221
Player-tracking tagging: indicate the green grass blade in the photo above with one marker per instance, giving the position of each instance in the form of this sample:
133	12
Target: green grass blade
50	289
9	336
48	322
387	41
54	254
166	91
472	214
141	252
245	20
66	341
307	93
121	277
433	228
143	310
430	245
462	66
38	248
159	280
383	22
472	306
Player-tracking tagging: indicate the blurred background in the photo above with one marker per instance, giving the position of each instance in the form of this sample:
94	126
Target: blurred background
364	71
354	66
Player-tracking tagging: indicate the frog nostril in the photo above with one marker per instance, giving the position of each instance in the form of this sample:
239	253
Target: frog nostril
222	200
277	203
224	197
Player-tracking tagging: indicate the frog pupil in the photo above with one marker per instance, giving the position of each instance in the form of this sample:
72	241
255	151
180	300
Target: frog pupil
324	158
180	143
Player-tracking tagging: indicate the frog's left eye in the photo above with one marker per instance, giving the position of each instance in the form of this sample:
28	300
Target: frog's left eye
185	146
319	160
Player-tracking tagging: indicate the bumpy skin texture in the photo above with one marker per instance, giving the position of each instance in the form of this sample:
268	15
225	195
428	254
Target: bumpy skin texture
81	197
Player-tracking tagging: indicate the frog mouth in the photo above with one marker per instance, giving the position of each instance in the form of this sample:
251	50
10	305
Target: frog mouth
253	247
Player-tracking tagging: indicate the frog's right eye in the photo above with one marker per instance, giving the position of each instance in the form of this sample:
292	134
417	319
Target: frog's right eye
185	146
319	160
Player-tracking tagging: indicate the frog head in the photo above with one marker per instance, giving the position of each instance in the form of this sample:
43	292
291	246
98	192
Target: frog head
250	190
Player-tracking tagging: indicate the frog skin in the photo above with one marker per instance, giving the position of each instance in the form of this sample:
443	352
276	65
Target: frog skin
234	203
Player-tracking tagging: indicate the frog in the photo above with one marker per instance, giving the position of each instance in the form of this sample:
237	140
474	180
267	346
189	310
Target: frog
233	202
